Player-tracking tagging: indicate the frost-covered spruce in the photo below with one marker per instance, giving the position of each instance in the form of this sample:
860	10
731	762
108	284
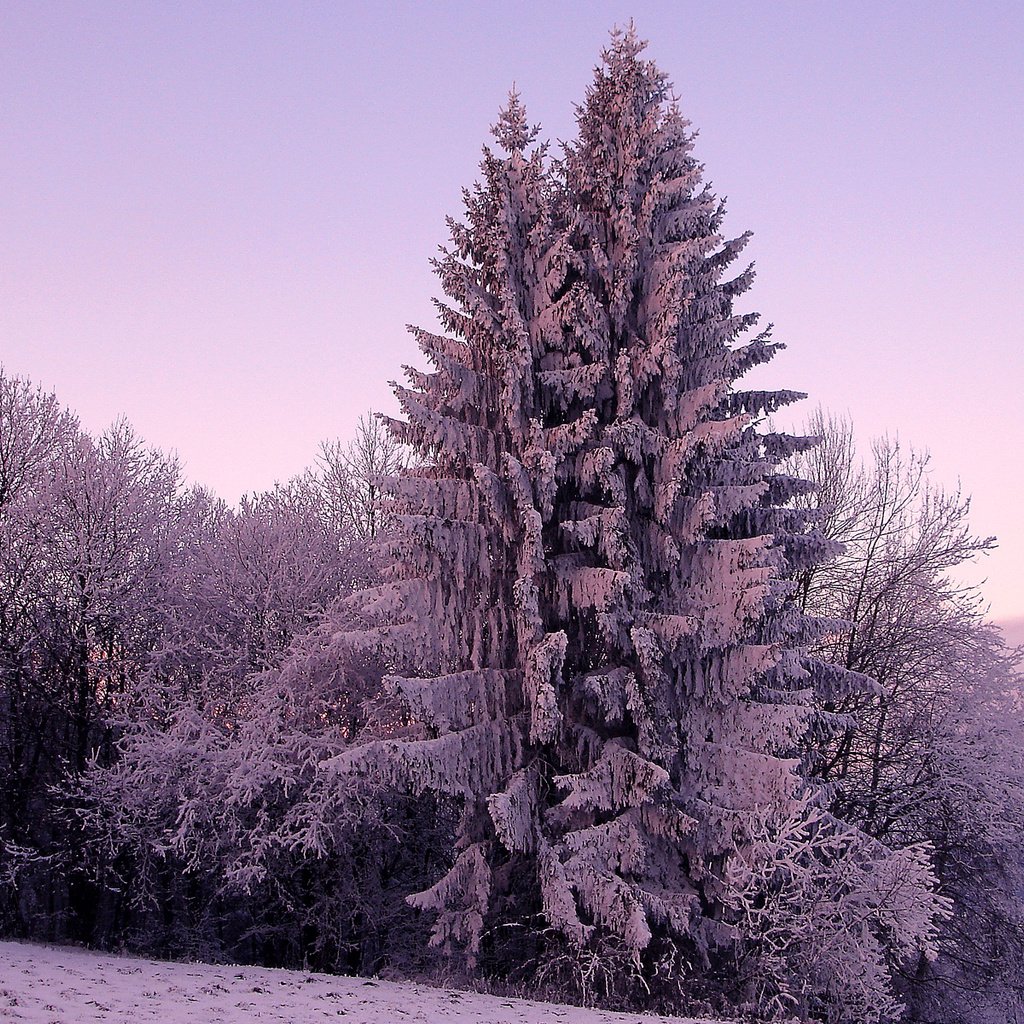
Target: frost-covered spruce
586	621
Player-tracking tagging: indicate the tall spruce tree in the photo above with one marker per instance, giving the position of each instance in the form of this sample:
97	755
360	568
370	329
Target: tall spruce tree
588	623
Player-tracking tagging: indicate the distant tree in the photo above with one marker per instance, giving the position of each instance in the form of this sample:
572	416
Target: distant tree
935	752
88	531
213	806
165	703
35	431
589	622
348	477
225	838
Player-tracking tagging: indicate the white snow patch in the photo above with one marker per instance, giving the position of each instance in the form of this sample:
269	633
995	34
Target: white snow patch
55	985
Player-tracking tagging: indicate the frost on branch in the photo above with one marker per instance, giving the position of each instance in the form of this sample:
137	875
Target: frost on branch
831	914
459	900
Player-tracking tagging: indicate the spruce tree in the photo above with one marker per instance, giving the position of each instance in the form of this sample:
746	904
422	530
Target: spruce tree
588	623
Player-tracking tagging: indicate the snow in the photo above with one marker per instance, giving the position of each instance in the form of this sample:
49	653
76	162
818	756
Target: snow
60	985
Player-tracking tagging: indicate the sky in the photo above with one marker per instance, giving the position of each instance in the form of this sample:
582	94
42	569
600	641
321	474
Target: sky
216	219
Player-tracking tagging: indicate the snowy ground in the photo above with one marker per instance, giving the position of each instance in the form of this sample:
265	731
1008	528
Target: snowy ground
50	985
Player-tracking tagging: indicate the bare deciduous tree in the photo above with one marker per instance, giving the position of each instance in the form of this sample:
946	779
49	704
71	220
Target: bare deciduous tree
350	475
934	752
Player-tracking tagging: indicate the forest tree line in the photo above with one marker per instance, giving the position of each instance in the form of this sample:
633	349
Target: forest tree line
162	717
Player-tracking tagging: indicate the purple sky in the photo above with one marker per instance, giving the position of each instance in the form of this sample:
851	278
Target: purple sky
215	219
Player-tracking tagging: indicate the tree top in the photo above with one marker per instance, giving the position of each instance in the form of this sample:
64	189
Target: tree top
512	131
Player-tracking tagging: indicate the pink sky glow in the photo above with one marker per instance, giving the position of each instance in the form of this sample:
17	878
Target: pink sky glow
216	218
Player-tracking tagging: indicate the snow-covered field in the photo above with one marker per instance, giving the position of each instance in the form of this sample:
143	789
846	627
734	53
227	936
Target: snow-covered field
51	985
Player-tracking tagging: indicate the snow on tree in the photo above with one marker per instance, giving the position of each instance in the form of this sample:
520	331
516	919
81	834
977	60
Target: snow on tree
828	916
588	622
88	531
347	477
933	753
211	812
